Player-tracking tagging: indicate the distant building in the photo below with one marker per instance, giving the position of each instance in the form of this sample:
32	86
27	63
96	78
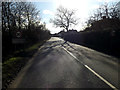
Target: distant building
72	31
61	33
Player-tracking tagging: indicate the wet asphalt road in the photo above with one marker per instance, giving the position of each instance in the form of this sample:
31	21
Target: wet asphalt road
60	64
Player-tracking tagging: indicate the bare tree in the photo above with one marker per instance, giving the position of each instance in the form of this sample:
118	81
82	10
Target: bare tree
64	18
105	10
114	12
15	15
90	21
110	11
31	13
6	20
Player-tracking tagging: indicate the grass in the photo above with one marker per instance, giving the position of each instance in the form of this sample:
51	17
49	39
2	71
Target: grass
10	69
13	65
33	47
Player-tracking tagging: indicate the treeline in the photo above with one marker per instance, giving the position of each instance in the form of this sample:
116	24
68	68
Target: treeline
110	11
21	17
102	32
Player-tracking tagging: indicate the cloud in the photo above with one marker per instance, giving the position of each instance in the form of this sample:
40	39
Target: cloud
52	28
48	12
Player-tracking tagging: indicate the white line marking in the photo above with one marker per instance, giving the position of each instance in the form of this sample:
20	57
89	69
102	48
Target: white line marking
91	70
71	54
101	77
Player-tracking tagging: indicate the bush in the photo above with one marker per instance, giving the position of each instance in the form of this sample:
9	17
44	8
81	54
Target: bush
107	41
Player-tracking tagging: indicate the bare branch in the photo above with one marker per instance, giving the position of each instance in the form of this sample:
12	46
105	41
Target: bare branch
64	18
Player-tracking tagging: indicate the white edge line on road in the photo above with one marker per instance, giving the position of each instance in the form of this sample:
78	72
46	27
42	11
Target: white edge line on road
91	70
100	77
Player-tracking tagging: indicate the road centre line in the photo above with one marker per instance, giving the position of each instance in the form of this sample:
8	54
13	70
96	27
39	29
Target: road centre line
72	55
91	70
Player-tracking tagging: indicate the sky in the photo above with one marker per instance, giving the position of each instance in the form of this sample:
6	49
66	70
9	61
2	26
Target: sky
84	9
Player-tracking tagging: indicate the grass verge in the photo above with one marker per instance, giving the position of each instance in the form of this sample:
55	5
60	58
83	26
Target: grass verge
13	65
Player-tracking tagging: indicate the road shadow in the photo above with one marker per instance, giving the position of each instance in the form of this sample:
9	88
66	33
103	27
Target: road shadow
59	43
71	46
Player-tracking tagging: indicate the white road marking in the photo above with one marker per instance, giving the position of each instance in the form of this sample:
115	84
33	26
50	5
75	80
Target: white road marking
100	77
71	54
91	70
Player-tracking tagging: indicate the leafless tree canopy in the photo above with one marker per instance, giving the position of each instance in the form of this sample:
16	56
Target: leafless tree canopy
104	11
64	18
19	14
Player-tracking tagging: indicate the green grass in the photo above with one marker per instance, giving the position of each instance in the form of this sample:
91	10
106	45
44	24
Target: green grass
12	60
33	47
12	66
30	48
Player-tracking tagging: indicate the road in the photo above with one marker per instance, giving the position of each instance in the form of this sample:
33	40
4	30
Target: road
60	64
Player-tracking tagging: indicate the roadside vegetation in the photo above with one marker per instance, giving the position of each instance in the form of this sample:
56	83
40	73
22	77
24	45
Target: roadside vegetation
22	17
13	65
102	33
102	30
